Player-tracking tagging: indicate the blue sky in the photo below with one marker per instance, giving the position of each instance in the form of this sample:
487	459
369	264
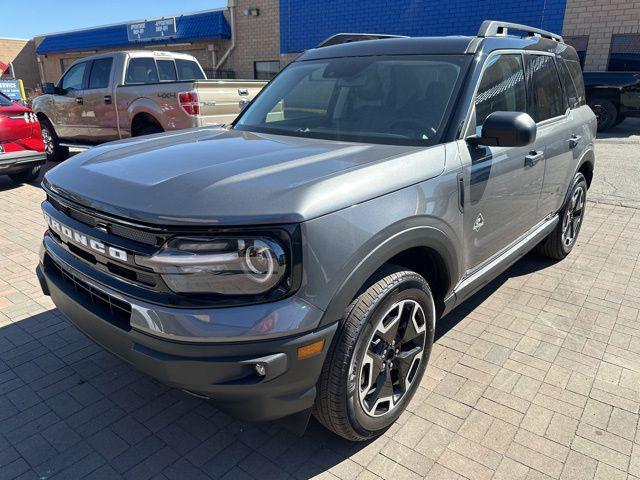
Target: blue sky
35	17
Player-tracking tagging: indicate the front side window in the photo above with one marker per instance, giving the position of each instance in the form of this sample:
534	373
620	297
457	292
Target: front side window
398	99
502	88
142	70
189	70
624	55
549	101
100	73
74	78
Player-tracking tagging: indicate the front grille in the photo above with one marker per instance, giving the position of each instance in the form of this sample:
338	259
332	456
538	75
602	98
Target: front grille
119	311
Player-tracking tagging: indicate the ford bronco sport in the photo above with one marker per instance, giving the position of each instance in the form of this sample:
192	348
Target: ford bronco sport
296	261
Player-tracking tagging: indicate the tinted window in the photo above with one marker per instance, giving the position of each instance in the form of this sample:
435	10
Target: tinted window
265	70
142	70
100	73
502	88
5	101
400	99
548	98
578	80
574	95
624	55
73	79
188	70
166	70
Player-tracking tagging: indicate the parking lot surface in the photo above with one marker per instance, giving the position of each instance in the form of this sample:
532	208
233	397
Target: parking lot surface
536	377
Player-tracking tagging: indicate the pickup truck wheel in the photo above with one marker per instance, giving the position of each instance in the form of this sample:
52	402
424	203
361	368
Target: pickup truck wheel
620	119
55	153
148	130
563	238
606	113
26	176
376	361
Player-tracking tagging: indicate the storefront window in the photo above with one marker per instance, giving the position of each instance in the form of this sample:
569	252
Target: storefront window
625	53
580	44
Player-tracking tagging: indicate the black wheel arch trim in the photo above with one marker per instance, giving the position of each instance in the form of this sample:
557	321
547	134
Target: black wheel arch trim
394	243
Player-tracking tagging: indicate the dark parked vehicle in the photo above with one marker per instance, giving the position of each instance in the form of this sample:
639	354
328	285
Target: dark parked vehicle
613	96
297	261
21	147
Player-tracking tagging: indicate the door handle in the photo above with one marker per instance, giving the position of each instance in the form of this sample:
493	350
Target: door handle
533	158
574	140
243	91
79	100
107	99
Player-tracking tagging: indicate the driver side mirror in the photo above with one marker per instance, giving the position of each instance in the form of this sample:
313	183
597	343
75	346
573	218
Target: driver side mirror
506	129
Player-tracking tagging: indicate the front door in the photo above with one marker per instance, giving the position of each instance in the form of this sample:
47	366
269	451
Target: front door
68	103
99	110
502	184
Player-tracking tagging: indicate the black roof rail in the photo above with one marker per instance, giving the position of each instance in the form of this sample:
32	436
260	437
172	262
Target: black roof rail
495	28
354	37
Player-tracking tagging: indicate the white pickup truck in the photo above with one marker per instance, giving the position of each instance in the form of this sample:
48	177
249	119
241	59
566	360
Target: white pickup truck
126	94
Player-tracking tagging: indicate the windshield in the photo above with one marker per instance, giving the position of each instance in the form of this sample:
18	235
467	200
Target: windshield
399	99
5	101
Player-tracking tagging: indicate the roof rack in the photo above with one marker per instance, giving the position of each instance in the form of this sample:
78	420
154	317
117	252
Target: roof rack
354	37
494	28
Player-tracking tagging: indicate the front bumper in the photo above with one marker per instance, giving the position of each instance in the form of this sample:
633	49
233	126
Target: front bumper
13	162
224	372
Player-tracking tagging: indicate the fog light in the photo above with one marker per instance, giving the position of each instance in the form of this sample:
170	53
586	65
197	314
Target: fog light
260	369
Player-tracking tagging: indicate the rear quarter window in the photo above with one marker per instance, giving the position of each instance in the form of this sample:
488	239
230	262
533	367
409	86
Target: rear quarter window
188	70
575	71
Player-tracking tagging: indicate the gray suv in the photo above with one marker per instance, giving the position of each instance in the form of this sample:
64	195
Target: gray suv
296	261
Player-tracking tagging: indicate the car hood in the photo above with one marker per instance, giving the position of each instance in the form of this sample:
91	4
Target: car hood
216	176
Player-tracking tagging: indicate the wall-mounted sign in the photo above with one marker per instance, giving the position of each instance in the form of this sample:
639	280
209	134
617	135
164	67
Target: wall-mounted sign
12	89
152	30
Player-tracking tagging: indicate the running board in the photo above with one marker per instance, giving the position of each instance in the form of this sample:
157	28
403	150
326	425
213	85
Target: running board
76	145
478	279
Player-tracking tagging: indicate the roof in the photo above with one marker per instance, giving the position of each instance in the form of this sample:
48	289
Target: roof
209	24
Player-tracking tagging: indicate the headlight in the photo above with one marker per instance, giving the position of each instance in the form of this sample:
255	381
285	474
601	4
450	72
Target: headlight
221	265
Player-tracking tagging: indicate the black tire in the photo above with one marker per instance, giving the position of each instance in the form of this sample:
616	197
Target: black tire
55	152
339	406
148	130
26	176
556	245
606	113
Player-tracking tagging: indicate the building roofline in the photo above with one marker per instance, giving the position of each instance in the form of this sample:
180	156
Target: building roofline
18	39
126	22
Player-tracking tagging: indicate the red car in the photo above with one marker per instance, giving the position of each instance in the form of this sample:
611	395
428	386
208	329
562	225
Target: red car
21	146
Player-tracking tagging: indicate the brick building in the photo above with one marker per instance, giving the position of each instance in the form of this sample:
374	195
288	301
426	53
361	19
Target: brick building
20	54
256	38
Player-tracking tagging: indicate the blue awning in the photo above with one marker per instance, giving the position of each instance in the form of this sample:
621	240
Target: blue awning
197	26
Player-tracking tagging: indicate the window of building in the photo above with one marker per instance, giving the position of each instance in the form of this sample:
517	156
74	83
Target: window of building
549	101
166	70
265	70
624	55
189	70
74	78
100	73
502	88
580	43
142	70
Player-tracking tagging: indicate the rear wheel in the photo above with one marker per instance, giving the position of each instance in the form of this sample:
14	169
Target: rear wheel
55	152
606	113
377	359
563	238
26	176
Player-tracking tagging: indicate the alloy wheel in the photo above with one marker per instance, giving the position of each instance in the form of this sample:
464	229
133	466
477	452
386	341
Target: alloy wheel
573	217
392	358
48	141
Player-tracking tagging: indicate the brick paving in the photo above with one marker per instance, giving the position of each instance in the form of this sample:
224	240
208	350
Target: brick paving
536	377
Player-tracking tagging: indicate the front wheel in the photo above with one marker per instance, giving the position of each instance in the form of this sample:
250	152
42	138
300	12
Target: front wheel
55	152
563	238
376	361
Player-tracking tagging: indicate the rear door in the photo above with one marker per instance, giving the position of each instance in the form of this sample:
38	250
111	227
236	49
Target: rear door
502	185
69	103
99	112
550	109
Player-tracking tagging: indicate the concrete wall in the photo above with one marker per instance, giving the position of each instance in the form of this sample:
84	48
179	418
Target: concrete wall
23	56
304	24
599	20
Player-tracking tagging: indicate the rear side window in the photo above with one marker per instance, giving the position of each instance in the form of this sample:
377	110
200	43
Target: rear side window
502	87
575	97
74	78
549	101
188	70
166	70
100	73
142	70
